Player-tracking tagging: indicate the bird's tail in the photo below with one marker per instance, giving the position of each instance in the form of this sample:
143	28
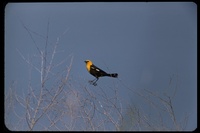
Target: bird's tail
114	75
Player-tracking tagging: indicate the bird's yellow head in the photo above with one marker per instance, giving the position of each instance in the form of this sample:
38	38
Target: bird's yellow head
88	61
88	64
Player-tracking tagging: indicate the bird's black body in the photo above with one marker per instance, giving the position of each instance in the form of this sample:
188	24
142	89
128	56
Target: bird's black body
97	72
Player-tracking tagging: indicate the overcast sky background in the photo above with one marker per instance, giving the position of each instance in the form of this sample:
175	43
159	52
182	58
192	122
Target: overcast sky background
145	43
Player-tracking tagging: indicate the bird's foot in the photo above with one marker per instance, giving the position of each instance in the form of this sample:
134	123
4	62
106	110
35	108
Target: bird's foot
95	84
92	82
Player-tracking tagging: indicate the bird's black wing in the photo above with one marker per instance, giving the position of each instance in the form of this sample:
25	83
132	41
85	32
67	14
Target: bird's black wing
97	72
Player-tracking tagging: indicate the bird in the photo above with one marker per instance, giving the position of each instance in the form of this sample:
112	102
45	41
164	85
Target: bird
97	72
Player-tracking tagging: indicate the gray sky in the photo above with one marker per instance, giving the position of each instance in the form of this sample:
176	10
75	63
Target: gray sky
145	43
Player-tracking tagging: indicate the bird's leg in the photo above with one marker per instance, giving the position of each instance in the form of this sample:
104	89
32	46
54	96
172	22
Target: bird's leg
91	81
94	81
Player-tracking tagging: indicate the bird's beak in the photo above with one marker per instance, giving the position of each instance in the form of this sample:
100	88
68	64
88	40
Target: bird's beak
85	61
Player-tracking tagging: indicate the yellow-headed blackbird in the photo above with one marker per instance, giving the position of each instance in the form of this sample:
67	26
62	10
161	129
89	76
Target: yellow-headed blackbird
96	72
